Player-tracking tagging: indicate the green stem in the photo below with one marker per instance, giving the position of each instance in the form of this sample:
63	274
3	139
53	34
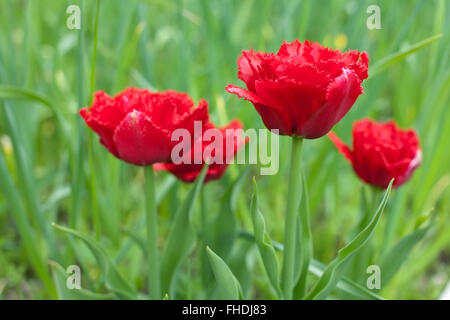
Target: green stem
152	234
94	49
204	216
93	179
293	203
77	172
93	187
306	246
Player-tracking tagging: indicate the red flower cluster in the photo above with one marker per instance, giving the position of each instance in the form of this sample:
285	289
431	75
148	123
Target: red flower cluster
136	125
381	151
304	89
220	156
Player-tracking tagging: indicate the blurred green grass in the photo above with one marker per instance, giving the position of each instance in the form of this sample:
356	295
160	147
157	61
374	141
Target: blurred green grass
193	46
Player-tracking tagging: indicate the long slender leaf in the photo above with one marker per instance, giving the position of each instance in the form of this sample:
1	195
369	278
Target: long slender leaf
25	230
110	275
317	268
28	180
400	55
181	238
225	225
64	293
334	270
228	287
397	255
268	254
344	284
9	92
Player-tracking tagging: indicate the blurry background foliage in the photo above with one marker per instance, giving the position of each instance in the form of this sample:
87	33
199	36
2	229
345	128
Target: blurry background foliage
47	72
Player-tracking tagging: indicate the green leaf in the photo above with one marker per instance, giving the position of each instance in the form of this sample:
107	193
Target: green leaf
268	254
344	284
110	275
317	268
181	239
24	228
225	225
335	269
395	256
27	179
7	92
228	287
241	262
400	55
128	53
64	293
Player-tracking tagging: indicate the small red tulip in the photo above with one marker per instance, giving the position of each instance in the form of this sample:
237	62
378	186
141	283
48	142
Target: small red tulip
188	172
304	89
381	151
136	125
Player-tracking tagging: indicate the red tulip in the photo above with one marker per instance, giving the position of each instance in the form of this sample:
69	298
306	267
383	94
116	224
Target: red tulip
381	151
188	172
136	125
304	89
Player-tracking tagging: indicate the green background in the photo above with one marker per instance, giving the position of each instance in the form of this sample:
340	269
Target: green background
193	46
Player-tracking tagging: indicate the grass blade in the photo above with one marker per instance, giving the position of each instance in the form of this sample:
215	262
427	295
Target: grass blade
400	55
27	180
8	92
25	231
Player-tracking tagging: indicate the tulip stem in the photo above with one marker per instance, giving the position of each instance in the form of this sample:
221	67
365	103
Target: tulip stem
154	287
293	202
